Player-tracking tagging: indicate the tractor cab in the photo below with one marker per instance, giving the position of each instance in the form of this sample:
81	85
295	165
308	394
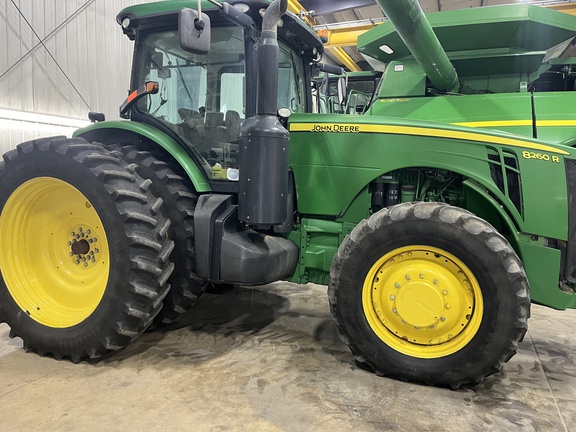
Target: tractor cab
202	99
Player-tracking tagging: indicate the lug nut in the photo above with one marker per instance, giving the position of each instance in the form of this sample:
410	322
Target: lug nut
85	264
397	285
392	297
407	277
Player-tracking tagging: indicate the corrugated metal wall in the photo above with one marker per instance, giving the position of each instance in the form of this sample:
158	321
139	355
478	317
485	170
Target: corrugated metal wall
86	43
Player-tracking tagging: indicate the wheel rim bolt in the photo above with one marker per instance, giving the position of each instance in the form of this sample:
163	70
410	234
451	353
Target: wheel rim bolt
77	261
392	297
96	251
394	310
88	231
442	318
397	285
435	281
445	292
79	229
90	241
421	276
71	253
73	233
407	277
85	264
432	326
93	260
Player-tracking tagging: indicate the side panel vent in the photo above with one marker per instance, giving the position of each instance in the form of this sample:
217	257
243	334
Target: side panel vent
505	172
513	179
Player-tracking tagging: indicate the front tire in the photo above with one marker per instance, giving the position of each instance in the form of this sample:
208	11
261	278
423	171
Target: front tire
83	249
430	293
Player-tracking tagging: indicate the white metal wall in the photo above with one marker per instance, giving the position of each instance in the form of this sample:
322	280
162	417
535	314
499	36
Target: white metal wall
86	42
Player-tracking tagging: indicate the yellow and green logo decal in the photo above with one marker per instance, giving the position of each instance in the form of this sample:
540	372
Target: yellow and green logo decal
422	131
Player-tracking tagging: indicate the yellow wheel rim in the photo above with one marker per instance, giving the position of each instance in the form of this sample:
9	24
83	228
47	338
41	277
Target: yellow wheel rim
54	252
422	301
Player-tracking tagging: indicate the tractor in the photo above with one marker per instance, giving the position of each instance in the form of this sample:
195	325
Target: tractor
433	237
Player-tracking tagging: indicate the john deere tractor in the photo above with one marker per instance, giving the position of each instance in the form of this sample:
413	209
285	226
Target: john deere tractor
433	237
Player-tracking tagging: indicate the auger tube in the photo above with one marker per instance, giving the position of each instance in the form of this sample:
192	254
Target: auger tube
417	34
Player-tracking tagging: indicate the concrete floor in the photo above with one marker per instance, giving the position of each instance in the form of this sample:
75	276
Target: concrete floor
269	359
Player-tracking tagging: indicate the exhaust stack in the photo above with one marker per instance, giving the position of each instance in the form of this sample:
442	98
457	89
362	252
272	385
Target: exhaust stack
262	201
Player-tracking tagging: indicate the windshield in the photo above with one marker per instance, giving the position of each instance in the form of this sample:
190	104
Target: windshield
202	97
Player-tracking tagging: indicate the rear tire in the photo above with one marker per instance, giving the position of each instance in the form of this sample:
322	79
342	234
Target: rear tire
430	293
171	184
83	249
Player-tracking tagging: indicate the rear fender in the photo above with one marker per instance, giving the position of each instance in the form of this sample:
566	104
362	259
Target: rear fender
125	131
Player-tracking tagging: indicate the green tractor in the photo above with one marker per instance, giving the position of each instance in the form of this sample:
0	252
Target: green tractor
433	238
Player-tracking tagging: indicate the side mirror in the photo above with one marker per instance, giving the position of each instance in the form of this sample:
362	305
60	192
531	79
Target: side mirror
342	90
194	31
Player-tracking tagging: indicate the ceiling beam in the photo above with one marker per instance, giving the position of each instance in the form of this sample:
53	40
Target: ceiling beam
296	8
342	56
345	36
345	59
569	8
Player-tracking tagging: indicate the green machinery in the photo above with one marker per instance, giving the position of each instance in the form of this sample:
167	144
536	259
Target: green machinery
348	93
433	237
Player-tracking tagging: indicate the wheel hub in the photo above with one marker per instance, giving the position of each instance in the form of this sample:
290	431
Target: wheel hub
419	303
83	250
421	300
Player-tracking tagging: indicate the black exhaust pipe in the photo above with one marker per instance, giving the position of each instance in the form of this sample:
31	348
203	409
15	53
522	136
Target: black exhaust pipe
263	140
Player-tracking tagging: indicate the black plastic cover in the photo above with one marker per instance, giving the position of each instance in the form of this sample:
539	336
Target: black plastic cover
263	171
570	259
253	258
